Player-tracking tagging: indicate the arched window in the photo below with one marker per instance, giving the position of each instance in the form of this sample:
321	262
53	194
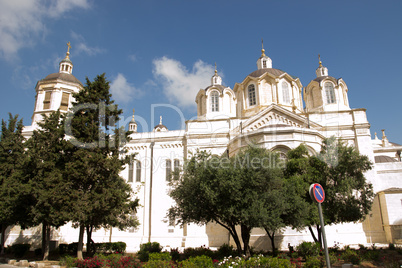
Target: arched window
285	92
330	93
214	101
251	95
138	171
168	170
130	171
176	169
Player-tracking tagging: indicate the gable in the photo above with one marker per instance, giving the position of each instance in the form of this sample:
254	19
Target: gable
276	116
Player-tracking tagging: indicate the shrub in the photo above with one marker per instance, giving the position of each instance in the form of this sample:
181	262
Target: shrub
38	252
67	261
314	262
94	262
73	248
122	262
175	254
351	256
308	249
200	251
372	255
197	262
119	247
225	250
391	246
259	261
19	250
160	256
63	249
147	248
159	264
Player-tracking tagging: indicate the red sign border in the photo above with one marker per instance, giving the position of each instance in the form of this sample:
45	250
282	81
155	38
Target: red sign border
317	198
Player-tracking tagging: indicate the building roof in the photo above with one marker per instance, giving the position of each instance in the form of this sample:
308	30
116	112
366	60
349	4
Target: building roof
384	159
273	71
319	79
62	76
220	87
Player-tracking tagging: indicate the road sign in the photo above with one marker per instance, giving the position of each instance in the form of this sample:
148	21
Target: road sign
317	193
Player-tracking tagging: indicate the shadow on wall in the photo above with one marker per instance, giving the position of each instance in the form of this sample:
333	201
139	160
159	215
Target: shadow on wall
16	235
262	242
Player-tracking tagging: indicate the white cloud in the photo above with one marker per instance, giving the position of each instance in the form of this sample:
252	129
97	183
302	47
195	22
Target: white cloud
132	57
180	85
22	22
79	46
122	90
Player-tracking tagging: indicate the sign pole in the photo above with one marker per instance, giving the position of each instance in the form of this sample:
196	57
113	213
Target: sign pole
317	193
324	237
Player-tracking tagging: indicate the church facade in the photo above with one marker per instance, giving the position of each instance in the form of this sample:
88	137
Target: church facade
269	107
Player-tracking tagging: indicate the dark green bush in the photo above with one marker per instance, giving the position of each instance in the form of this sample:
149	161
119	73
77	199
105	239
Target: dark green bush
197	262
224	251
175	254
314	262
38	252
372	255
147	248
72	248
308	249
160	256
19	250
63	249
351	256
194	252
159	264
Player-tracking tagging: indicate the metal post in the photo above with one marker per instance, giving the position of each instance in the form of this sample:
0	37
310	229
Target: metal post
324	239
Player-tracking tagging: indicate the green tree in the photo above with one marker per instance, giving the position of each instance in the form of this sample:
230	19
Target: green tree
49	190
101	197
229	191
12	182
340	170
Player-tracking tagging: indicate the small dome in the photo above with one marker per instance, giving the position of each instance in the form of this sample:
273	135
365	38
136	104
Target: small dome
62	76
384	159
160	127
273	71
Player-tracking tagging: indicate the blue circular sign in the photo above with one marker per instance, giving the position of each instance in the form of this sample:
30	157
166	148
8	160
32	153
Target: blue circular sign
317	192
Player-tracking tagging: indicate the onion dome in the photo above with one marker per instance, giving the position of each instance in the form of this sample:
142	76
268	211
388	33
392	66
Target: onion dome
160	127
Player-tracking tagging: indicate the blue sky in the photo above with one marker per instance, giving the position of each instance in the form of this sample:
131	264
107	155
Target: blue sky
158	54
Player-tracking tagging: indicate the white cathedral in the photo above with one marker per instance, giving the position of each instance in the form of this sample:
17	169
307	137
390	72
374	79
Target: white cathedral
269	107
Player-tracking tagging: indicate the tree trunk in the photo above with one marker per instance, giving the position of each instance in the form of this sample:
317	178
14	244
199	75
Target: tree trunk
233	233
319	234
272	237
90	243
245	235
3	237
80	242
312	234
45	240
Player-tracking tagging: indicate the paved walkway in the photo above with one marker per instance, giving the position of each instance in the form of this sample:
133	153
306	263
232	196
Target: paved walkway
3	265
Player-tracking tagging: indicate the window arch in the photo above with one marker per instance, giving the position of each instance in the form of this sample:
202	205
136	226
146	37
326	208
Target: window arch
214	101
138	171
130	171
168	170
285	92
176	168
251	95
330	93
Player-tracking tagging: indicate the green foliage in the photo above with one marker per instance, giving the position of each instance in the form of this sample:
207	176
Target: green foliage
114	247
351	256
391	246
159	264
14	192
67	261
237	191
197	262
199	251
314	262
308	249
224	251
94	262
160	256
175	254
258	261
340	169
19	250
145	249
372	255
